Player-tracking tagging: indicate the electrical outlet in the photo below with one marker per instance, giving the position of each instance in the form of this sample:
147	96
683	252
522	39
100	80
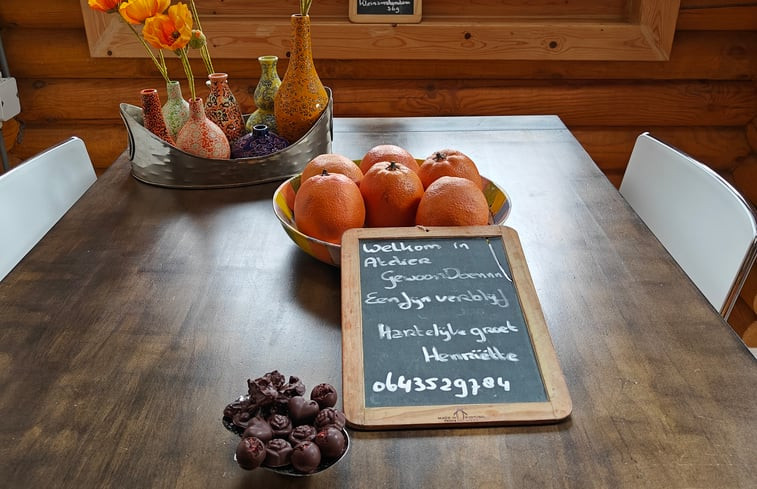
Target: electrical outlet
10	106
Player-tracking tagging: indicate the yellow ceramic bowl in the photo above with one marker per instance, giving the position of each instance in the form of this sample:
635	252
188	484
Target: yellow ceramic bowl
283	198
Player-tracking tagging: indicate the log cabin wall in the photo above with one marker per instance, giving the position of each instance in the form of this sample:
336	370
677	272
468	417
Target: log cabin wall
703	99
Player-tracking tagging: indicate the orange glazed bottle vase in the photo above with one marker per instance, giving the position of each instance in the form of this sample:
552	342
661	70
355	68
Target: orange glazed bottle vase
301	98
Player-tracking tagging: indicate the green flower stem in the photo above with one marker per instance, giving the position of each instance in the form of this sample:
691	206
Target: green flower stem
206	58
305	7
161	65
182	53
204	49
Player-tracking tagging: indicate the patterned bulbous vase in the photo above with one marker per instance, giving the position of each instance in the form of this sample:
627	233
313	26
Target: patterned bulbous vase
258	142
152	115
301	98
265	92
202	137
222	108
176	109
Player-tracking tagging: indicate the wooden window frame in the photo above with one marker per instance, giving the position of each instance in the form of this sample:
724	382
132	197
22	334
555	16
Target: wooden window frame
644	34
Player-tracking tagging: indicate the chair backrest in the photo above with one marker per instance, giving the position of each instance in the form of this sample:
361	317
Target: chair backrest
37	193
703	222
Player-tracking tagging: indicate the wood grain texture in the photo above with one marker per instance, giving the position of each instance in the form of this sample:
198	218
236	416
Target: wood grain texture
618	104
144	311
707	55
635	30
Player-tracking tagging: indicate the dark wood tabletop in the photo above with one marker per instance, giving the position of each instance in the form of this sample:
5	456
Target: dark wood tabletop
129	327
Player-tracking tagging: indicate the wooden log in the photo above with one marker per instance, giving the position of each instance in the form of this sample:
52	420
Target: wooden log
594	103
9	131
727	18
608	147
751	134
696	55
43	14
104	141
68	13
693	15
718	147
745	177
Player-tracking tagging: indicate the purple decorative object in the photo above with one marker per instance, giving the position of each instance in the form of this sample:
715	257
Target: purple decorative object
259	142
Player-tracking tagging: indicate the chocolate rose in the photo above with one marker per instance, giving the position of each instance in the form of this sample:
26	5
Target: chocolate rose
281	425
330	416
278	453
303	432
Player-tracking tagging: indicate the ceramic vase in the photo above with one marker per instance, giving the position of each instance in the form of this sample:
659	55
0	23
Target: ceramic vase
176	109
301	98
202	137
264	94
258	142
222	108
152	115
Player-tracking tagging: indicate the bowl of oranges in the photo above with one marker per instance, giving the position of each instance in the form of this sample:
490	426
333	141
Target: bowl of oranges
388	187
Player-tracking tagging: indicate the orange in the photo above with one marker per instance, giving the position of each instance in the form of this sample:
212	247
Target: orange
453	201
332	163
448	162
387	152
391	192
327	205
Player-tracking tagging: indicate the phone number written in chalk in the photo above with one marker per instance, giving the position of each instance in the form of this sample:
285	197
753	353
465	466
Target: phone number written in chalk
462	387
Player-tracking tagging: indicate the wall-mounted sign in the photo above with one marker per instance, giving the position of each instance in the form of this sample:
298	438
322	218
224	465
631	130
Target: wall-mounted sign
385	11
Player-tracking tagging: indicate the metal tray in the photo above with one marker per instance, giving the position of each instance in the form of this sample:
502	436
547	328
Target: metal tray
156	162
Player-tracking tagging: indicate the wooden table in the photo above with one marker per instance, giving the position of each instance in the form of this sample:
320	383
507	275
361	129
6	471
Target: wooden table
131	325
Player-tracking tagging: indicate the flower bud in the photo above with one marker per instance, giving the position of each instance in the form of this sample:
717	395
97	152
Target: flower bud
197	39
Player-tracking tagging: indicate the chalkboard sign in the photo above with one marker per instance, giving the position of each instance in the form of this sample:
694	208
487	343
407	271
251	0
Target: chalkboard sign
385	11
443	326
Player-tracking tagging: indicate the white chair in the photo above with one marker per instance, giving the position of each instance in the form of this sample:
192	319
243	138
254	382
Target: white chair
703	222
37	193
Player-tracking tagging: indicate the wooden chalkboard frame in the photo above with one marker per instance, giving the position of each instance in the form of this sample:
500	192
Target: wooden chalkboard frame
558	405
364	18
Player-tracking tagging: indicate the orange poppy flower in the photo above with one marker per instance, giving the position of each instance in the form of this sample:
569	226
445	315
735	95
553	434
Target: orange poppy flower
106	6
171	31
137	11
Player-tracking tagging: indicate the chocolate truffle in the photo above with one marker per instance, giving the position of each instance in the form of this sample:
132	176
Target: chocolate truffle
325	395
303	432
295	387
278	453
262	392
331	441
302	411
281	425
329	416
250	453
306	457
259	428
241	419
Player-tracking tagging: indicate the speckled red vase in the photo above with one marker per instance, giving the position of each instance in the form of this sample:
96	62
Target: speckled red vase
222	108
202	137
152	115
